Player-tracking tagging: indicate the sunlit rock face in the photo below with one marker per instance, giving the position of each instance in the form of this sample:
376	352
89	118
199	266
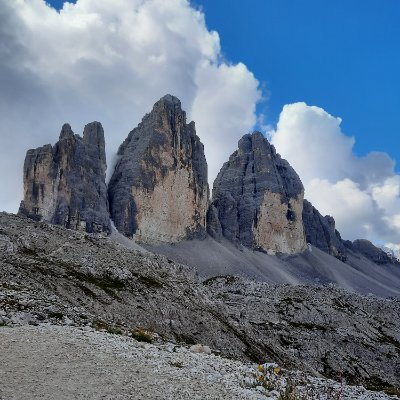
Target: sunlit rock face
258	200
159	190
65	184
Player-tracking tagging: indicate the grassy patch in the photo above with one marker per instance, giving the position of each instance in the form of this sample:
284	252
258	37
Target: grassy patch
142	335
387	339
307	325
290	393
378	385
108	285
228	279
57	315
177	364
104	326
150	282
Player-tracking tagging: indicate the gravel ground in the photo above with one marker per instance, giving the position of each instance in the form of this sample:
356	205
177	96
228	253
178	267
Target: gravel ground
64	362
49	362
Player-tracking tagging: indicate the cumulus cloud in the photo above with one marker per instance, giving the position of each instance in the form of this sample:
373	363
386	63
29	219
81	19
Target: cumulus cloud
217	110
110	61
362	193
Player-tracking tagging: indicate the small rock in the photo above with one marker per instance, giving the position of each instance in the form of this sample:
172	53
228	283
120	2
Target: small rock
199	348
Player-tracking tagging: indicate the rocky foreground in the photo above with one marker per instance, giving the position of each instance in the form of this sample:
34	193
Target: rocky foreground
51	275
59	362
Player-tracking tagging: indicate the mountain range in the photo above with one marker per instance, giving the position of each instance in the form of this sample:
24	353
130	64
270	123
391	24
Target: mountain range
158	196
253	270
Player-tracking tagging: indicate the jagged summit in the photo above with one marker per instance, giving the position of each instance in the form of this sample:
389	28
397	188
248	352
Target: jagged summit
159	190
169	106
66	132
65	184
258	199
169	99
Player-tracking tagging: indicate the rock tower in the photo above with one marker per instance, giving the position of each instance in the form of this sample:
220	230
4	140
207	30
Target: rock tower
159	190
65	184
258	199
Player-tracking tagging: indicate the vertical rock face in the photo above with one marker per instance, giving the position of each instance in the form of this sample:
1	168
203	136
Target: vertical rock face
65	184
159	190
321	232
258	199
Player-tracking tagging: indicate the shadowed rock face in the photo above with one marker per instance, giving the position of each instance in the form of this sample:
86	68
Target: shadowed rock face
258	199
65	184
159	190
320	232
373	253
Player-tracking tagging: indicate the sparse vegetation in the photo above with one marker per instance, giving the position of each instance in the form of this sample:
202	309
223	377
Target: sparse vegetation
290	393
149	281
105	327
177	364
57	315
143	335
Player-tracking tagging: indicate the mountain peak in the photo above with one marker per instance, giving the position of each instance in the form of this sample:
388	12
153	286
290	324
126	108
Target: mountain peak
254	191
159	189
66	132
65	184
168	103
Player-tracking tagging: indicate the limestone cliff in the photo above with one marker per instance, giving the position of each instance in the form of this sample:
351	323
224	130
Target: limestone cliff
258	199
321	232
159	190
65	184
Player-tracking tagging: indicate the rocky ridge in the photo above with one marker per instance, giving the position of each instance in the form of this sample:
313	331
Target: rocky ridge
321	232
370	251
65	184
159	190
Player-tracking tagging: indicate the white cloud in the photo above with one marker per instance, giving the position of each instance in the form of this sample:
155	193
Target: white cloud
362	193
110	61
219	114
355	212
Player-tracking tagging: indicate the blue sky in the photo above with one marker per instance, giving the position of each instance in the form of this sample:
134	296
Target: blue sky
341	55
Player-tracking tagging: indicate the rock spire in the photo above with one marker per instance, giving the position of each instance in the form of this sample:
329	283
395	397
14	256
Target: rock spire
159	190
65	184
258	199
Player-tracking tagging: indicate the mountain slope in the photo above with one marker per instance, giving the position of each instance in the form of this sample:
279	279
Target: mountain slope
213	258
51	274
